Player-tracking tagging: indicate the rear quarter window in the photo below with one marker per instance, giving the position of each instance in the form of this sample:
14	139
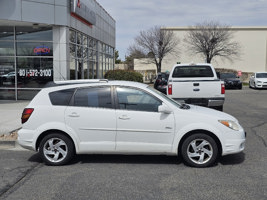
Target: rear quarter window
192	71
61	97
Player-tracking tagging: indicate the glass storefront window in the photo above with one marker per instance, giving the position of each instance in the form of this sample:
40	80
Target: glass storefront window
89	57
72	36
79	38
34	72
80	51
72	50
80	69
7	72
6	48
34	49
72	68
30	33
7	94
7	33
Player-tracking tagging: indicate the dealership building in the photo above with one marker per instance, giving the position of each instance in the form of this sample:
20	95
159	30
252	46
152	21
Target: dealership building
52	40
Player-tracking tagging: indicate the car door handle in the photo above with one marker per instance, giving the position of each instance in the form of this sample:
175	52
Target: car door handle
196	90
124	117
74	115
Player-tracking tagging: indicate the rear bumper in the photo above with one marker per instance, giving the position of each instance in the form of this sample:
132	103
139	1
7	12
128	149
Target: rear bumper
207	102
25	139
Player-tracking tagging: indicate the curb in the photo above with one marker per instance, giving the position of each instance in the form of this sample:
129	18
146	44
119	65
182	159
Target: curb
8	143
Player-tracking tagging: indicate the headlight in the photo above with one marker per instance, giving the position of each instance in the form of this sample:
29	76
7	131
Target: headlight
230	124
259	82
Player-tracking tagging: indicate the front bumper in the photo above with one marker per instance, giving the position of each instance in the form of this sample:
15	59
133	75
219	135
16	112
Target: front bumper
236	145
261	85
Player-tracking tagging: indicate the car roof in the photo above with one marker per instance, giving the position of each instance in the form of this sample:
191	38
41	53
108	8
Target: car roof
59	85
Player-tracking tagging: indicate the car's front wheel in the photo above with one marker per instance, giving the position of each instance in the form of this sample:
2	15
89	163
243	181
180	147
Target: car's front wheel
199	150
56	149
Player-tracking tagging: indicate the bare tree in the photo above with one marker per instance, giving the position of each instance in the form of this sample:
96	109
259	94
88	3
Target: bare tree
211	39
155	43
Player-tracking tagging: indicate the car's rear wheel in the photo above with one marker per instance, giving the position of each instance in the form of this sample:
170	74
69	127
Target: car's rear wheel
199	150
56	149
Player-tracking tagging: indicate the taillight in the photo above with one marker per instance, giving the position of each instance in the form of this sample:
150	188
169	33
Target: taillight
170	89
26	114
222	88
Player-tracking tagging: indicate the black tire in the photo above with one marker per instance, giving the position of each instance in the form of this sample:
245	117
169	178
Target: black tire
199	150
56	149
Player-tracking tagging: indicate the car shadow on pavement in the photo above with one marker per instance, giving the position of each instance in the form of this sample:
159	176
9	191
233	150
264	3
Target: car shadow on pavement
130	159
233	159
133	159
35	158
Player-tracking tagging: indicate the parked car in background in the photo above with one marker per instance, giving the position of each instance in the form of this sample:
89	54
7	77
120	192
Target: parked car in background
231	81
119	117
258	80
161	82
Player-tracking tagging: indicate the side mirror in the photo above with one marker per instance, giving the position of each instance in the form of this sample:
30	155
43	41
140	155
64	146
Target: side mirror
164	109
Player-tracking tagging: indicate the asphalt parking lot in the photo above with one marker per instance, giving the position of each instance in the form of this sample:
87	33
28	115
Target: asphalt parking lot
240	176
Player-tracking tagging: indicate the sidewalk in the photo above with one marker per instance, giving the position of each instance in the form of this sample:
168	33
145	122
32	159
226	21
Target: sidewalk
10	112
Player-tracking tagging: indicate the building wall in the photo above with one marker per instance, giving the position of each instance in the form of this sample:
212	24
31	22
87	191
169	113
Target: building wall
36	11
253	57
253	41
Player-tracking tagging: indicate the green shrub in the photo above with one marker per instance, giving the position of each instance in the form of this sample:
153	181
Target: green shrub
125	75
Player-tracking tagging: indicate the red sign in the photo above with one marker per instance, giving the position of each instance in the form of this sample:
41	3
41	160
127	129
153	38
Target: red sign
41	50
239	73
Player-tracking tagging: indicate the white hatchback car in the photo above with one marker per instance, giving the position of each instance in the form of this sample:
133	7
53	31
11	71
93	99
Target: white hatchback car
119	117
258	80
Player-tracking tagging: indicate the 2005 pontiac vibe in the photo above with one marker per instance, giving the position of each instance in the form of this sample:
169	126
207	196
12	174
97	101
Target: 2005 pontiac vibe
119	117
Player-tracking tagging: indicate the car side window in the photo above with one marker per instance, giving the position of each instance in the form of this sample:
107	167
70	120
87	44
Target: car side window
61	97
99	97
138	100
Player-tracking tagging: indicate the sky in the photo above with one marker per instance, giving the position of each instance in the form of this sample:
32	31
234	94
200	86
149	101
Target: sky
133	16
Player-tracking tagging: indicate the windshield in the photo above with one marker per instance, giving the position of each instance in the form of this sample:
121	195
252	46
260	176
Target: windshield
228	75
261	75
175	103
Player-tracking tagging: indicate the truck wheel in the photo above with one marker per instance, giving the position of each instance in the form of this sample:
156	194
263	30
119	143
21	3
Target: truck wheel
199	150
56	149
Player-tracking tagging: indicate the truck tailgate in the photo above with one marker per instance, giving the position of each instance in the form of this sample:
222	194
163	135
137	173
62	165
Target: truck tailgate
196	89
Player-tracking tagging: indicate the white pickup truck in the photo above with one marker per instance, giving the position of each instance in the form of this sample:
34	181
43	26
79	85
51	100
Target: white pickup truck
196	84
